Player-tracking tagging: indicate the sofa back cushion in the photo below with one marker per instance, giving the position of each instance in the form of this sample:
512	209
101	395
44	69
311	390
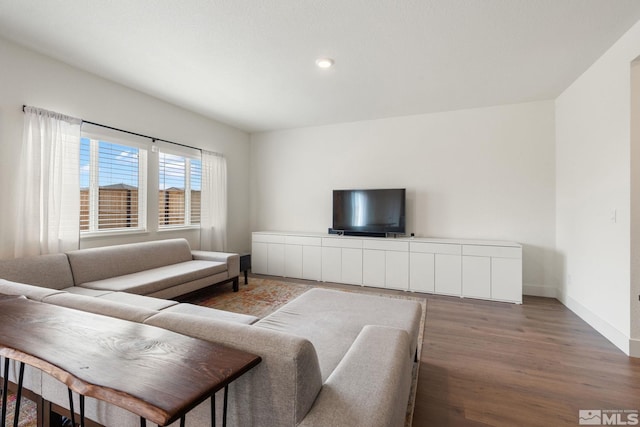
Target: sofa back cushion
48	271
93	264
36	293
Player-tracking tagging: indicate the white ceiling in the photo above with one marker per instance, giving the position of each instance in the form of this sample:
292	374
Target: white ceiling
251	63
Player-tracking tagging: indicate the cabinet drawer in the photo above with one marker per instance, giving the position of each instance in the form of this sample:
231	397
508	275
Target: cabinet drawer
384	245
492	251
436	248
267	238
342	243
303	240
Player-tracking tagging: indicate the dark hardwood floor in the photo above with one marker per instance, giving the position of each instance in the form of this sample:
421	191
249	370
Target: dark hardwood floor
536	364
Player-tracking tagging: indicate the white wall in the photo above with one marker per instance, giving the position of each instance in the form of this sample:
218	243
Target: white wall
634	289
593	179
483	173
33	79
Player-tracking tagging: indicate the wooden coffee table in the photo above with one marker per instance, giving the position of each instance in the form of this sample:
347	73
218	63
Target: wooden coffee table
152	372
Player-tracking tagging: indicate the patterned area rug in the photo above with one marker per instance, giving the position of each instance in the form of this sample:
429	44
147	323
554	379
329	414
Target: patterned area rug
28	413
259	298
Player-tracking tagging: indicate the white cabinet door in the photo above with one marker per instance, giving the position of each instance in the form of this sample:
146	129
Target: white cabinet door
331	264
352	266
373	268
312	262
275	259
293	261
448	274
506	279
397	270
421	272
476	277
259	255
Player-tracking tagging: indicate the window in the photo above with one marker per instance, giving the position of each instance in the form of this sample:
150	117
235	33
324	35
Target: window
132	183
180	186
112	186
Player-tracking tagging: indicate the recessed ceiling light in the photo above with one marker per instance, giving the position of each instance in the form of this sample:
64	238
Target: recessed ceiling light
324	62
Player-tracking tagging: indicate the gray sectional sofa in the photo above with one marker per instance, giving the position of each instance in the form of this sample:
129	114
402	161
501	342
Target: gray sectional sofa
329	358
162	269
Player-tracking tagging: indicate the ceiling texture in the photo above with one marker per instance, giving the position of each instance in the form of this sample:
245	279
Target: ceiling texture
251	63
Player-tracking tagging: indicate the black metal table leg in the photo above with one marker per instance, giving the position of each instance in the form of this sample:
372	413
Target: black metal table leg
81	410
71	410
5	390
224	407
213	410
18	395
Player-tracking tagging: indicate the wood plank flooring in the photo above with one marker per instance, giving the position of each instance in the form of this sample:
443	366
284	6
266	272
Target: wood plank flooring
487	363
536	364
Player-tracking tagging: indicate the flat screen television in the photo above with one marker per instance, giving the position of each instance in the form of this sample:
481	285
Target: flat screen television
369	212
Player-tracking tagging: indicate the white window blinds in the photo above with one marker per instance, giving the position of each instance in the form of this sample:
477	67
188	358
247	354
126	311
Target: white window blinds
180	187
113	182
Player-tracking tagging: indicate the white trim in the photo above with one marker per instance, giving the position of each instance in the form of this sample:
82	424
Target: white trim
112	232
617	338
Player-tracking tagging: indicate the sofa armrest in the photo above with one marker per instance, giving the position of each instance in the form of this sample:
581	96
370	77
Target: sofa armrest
232	260
277	392
371	384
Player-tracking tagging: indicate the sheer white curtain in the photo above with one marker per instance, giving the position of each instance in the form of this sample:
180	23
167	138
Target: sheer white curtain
213	205
48	193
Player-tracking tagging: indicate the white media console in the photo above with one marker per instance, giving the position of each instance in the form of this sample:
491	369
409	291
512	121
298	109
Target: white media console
489	270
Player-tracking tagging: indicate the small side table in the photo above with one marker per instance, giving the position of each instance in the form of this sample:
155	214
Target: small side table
245	264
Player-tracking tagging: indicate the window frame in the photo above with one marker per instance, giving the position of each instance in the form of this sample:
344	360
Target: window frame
189	156
143	148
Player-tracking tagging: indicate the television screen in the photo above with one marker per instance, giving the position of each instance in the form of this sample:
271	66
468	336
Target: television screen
373	212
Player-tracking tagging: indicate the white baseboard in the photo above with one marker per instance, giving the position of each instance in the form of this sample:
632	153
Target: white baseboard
617	338
634	347
539	290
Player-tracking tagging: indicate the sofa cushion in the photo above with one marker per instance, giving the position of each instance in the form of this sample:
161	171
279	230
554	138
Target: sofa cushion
157	279
212	313
332	320
138	300
36	293
79	290
100	306
90	265
48	271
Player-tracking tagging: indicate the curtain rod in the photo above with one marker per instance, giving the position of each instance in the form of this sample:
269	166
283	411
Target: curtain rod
153	139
